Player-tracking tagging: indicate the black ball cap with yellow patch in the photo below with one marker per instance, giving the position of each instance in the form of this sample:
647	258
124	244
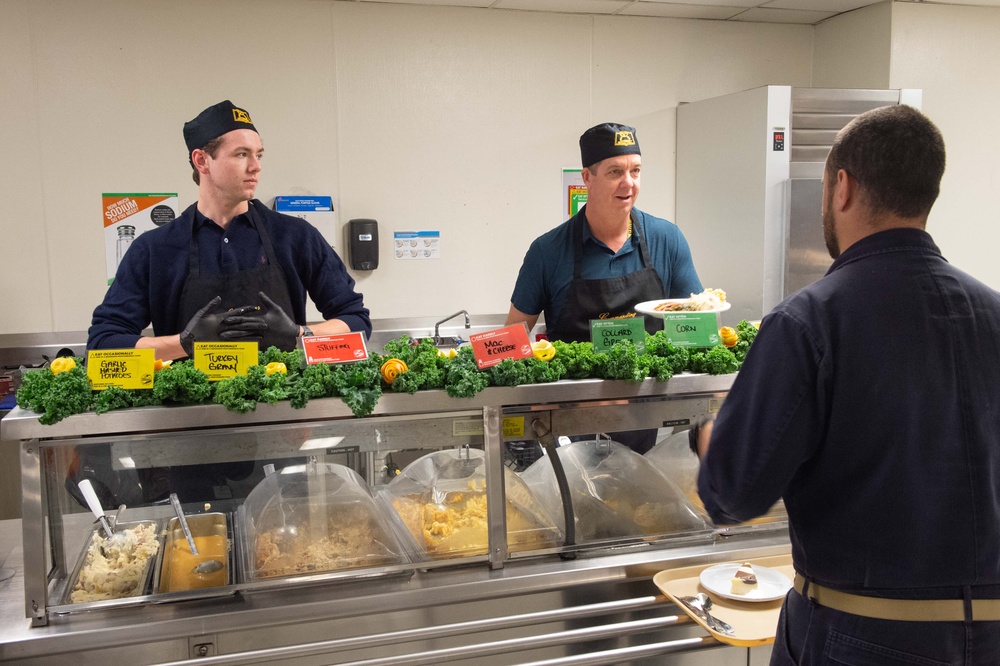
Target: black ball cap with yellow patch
213	122
607	140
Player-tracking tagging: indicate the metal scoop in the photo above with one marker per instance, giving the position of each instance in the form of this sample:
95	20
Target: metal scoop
114	539
206	567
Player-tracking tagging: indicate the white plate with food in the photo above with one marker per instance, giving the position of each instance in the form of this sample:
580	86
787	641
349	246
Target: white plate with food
665	306
722	580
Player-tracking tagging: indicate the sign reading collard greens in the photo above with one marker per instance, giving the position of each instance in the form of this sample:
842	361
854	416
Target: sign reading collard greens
604	333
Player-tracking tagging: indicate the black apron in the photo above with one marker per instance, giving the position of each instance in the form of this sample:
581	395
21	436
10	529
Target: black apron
605	298
236	289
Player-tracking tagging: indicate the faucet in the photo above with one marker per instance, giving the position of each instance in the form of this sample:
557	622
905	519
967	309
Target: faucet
437	326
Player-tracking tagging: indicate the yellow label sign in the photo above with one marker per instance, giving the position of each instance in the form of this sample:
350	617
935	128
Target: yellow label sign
123	368
221	360
512	426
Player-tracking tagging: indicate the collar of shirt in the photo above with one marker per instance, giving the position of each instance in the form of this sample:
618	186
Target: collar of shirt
589	236
902	238
201	221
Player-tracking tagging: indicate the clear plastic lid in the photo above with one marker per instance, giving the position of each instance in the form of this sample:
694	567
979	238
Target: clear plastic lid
673	457
313	518
441	500
616	493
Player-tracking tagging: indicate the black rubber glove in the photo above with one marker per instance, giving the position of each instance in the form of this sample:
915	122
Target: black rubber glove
694	434
271	323
207	326
203	327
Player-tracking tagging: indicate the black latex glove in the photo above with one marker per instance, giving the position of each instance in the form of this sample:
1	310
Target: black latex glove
271	323
206	326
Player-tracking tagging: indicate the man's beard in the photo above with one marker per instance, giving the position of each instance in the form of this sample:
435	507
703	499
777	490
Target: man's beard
829	233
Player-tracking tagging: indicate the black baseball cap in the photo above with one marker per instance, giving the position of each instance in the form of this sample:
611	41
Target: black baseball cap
213	122
607	140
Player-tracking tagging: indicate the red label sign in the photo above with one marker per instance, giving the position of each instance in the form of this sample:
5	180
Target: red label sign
335	348
491	347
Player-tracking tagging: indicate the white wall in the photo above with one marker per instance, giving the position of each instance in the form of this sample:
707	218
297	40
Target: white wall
421	117
961	94
952	54
853	50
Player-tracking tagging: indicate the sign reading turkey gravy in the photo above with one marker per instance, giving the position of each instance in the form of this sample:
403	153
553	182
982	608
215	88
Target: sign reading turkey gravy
222	360
491	347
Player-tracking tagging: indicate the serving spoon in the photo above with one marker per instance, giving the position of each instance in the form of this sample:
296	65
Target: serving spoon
206	567
113	539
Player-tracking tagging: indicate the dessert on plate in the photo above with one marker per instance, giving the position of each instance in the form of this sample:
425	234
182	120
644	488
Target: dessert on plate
744	580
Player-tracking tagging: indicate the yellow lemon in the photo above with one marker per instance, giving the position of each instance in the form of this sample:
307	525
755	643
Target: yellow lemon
543	350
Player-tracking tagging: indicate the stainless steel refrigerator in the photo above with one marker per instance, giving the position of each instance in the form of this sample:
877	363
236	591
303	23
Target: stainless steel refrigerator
749	186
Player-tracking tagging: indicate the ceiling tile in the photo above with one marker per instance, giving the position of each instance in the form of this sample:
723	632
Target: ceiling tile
820	5
449	3
565	6
783	16
708	3
673	10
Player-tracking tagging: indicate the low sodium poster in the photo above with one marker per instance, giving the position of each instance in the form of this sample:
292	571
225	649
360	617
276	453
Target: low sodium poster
128	215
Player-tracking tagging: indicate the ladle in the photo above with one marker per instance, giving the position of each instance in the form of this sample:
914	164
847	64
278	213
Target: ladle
114	539
206	567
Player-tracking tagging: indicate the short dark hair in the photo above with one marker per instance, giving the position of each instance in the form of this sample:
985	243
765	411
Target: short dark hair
897	156
212	148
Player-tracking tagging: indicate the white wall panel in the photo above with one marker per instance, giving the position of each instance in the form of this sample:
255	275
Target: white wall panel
26	304
454	119
853	49
961	95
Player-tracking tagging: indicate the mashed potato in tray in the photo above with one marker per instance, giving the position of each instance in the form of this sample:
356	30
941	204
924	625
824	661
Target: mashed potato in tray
118	572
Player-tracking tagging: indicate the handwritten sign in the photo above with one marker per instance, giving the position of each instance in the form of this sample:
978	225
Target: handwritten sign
491	347
335	348
123	368
692	329
604	333
221	360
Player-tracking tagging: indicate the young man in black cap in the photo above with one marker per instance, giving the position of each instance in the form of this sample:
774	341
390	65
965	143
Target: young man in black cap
609	256
228	268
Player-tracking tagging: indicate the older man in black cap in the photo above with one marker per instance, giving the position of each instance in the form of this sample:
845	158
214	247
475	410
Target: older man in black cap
605	259
228	268
609	256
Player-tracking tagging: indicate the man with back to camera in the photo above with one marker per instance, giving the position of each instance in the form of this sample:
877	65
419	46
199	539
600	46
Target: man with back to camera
228	268
605	259
870	402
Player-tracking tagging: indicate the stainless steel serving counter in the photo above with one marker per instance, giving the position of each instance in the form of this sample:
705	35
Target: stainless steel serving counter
600	610
581	605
